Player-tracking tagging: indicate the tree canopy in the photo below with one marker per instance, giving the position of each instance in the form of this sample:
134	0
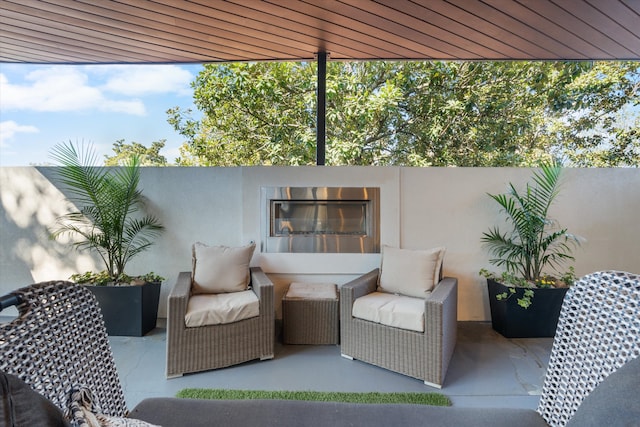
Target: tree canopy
515	113
146	156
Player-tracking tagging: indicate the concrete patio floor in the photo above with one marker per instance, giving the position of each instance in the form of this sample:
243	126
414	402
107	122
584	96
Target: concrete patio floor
487	370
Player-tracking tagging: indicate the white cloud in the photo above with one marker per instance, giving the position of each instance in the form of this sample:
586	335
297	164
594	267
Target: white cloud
107	88
9	128
139	80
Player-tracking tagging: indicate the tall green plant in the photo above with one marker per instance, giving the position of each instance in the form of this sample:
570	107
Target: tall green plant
534	241
108	202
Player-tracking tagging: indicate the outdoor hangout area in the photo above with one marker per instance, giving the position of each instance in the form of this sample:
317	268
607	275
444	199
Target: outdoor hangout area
378	213
311	338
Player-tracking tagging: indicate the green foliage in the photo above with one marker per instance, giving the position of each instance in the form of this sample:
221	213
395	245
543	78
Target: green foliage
107	202
523	302
602	126
535	241
147	156
516	113
569	277
513	282
254	114
506	278
435	399
103	278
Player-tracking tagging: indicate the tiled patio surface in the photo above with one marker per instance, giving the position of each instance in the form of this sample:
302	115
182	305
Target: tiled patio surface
487	370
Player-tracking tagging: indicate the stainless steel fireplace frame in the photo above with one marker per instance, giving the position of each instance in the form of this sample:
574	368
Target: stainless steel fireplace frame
328	220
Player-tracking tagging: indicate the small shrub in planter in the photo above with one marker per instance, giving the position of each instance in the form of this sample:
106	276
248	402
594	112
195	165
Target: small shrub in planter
533	244
129	308
108	221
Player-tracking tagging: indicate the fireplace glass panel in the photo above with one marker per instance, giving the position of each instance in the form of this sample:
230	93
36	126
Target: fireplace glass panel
331	217
321	219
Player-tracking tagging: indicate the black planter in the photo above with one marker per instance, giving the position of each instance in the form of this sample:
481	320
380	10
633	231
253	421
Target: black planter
537	321
128	310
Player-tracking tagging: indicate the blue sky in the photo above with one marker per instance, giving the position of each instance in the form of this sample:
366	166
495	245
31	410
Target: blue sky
43	105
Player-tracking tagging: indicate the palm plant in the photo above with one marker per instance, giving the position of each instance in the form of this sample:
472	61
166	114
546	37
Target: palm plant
535	241
107	201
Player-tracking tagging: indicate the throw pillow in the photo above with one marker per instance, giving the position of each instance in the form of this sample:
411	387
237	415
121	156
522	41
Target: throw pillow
21	406
221	269
85	412
413	273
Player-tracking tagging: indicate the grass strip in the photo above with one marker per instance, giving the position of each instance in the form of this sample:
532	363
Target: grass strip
433	399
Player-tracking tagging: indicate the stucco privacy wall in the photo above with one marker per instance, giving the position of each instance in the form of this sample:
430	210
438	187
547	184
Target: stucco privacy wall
420	208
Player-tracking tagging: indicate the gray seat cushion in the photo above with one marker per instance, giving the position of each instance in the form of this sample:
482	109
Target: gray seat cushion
614	402
179	412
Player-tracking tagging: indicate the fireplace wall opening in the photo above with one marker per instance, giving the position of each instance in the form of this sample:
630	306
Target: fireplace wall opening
321	219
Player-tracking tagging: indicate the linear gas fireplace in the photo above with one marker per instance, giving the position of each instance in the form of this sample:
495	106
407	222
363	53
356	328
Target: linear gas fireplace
321	219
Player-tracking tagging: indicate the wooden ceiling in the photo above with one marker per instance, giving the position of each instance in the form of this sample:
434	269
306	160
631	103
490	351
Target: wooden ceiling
183	31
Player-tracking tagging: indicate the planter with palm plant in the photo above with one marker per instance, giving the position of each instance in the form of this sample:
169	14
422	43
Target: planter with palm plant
525	298
107	219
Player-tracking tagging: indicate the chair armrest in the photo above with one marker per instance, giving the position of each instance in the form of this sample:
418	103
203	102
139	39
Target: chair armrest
356	288
443	303
446	289
441	323
179	298
263	288
361	285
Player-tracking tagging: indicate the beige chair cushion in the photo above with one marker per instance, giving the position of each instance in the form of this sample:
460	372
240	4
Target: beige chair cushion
218	269
409	272
218	309
392	310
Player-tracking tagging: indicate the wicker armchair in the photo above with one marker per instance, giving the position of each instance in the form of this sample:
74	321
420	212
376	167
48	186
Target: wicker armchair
194	349
423	355
59	341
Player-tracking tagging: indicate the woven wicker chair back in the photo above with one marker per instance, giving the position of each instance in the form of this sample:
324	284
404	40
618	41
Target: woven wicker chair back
57	341
598	332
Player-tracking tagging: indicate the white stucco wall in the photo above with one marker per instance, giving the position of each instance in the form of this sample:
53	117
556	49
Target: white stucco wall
420	208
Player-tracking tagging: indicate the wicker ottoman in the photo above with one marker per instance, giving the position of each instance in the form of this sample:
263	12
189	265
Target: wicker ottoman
310	314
